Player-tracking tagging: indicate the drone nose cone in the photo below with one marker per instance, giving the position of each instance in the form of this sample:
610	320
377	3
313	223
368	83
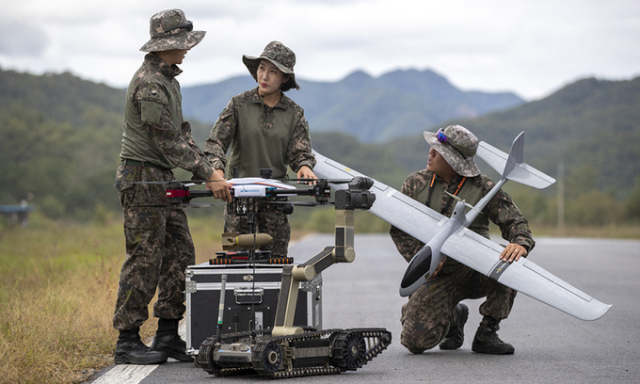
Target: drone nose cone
418	267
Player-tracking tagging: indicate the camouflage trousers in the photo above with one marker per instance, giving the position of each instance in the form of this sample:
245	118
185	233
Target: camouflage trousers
428	314
158	249
275	223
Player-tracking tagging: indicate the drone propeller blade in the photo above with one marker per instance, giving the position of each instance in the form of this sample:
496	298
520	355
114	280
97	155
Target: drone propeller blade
332	181
200	205
152	182
202	181
183	182
298	203
149	206
194	205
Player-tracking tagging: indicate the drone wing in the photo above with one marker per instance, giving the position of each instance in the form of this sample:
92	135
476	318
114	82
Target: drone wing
470	248
523	275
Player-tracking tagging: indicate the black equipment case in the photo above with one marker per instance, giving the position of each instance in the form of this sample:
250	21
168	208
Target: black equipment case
250	289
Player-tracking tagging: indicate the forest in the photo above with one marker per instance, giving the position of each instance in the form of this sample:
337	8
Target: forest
60	139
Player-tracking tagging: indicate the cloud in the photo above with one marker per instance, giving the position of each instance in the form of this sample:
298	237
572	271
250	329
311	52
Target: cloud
22	39
528	46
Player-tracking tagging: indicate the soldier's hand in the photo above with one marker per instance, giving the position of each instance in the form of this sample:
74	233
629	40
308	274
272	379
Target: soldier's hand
513	252
219	186
306	173
439	266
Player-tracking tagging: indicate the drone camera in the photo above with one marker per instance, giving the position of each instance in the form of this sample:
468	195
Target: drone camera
357	196
360	183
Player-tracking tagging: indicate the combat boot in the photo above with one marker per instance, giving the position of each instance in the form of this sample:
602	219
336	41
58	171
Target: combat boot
168	341
487	340
131	350
455	337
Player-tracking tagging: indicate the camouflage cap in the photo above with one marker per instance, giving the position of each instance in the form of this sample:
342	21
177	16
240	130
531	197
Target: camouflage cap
281	56
170	29
458	146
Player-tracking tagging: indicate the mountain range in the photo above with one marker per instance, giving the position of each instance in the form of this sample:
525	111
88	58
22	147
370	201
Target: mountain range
590	126
61	135
396	104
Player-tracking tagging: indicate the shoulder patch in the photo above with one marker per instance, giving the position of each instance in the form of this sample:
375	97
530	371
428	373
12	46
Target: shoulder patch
153	99
227	112
153	92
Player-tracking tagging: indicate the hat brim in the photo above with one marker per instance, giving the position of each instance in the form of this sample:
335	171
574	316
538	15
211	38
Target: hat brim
185	40
252	63
465	167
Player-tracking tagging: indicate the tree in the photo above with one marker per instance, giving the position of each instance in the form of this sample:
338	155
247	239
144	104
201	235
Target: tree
632	205
594	208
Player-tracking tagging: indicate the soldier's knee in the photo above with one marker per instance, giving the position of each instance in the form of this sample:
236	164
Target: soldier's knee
419	341
410	344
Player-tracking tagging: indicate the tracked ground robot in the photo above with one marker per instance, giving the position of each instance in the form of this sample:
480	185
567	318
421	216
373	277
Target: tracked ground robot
287	351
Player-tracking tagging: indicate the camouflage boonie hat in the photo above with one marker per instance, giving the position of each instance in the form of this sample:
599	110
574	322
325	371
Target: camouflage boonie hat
170	29
281	56
458	146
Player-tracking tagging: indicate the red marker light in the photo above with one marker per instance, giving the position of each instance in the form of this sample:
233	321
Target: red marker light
177	193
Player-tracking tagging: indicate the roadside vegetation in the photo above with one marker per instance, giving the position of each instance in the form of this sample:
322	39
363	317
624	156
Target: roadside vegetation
58	283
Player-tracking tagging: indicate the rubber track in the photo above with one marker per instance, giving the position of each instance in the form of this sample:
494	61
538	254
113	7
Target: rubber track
382	334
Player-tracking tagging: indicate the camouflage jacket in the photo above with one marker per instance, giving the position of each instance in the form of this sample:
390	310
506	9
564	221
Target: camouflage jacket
500	210
260	137
154	130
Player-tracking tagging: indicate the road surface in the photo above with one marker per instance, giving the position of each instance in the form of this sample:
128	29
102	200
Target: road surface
551	347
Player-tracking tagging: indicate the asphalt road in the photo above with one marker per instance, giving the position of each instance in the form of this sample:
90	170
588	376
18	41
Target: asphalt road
551	347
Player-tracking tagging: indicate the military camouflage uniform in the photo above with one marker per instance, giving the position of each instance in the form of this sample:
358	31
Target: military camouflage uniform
261	136
427	315
158	243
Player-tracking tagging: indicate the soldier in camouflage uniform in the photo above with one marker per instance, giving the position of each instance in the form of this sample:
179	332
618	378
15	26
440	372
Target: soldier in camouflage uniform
434	315
158	242
264	129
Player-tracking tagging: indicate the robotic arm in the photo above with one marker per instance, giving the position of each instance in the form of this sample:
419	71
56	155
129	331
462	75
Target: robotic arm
356	196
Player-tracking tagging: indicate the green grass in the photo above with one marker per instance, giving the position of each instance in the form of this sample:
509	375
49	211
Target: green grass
56	293
58	283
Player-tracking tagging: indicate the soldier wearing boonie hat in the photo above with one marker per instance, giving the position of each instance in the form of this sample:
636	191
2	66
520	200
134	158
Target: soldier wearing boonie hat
155	140
458	146
263	128
170	29
281	56
434	315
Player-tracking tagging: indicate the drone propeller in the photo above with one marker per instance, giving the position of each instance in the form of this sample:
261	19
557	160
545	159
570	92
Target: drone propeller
152	182
298	203
183	182
200	205
193	205
330	181
199	182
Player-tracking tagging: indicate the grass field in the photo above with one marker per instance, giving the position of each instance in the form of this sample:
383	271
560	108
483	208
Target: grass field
58	283
57	292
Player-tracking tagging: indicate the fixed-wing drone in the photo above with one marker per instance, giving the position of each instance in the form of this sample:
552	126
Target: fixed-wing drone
451	236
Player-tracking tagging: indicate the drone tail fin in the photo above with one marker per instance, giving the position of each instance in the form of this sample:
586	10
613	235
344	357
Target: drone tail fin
511	166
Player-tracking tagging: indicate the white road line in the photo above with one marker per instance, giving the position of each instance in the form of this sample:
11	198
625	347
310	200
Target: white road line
132	374
126	374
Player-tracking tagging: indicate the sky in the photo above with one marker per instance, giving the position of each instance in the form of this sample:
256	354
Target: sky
529	47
